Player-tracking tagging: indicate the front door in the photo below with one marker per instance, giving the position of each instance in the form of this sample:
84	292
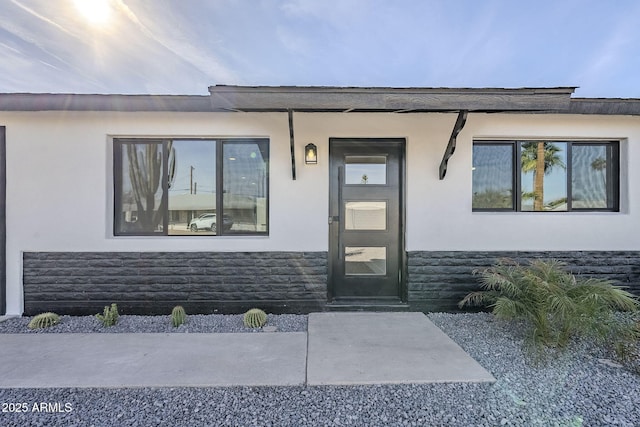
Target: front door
366	237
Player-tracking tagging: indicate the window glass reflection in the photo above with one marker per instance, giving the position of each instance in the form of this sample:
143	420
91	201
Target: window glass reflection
177	187
192	192
365	215
544	176
141	209
245	168
589	177
365	260
365	170
492	176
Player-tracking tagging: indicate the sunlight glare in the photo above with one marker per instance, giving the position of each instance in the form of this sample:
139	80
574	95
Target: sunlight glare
96	12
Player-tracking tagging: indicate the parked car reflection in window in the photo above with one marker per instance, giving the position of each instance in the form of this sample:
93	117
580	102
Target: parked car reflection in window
208	222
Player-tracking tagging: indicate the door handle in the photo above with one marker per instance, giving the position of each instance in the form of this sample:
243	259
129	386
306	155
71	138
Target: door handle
340	207
333	219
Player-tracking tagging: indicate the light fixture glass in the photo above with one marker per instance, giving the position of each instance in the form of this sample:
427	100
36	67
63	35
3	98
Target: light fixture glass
310	154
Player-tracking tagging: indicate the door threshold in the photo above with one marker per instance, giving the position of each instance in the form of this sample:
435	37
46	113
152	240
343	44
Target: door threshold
367	305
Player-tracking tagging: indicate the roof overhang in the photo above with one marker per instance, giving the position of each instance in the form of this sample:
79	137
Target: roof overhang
605	106
91	102
399	100
333	99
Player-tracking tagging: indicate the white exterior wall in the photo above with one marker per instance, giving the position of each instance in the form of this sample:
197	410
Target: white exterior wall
461	229
60	179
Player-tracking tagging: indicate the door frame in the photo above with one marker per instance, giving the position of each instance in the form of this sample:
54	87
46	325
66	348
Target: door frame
401	142
3	220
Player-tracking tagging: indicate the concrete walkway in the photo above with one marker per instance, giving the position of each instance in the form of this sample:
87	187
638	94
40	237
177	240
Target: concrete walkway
389	348
339	348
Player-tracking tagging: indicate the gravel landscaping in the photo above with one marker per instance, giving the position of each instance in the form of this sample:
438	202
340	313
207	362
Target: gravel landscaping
577	388
196	323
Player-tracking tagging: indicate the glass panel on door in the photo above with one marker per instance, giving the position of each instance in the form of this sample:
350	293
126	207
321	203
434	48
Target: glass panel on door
365	216
365	170
365	260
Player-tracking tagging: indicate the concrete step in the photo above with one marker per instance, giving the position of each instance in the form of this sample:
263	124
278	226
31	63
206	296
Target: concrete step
362	304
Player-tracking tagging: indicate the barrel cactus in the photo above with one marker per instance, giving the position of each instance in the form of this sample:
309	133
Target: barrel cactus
178	316
255	318
44	320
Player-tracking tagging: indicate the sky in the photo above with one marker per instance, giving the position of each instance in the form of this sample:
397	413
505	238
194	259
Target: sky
185	46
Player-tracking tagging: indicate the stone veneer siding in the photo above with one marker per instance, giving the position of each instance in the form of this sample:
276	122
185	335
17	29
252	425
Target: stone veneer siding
154	282
279	282
438	280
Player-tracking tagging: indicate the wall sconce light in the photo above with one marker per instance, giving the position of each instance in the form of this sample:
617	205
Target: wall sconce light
310	154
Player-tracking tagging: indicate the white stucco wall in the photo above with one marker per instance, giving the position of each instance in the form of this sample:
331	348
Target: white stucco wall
59	182
449	223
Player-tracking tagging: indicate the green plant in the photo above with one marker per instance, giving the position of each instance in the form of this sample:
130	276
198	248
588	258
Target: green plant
575	421
109	316
255	318
627	343
178	316
44	320
554	303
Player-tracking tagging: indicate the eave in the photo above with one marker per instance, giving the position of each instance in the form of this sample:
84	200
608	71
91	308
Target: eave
605	106
91	102
398	100
326	99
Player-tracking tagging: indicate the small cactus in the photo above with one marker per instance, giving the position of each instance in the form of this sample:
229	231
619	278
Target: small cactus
109	316
255	318
178	316
44	320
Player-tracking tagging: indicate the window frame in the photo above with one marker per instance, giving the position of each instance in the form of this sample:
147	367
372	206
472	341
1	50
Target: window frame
118	144
613	173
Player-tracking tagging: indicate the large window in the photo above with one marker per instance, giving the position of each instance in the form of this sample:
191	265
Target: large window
539	176
192	187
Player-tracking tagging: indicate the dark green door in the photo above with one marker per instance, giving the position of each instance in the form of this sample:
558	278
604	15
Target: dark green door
365	216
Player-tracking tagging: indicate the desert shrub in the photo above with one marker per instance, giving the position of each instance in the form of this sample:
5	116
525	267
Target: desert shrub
44	320
554	303
255	318
178	316
109	316
627	344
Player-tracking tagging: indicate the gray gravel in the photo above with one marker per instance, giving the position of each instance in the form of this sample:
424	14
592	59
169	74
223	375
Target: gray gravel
573	389
196	323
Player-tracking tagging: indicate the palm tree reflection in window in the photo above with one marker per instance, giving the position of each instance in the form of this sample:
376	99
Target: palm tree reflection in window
540	158
600	165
